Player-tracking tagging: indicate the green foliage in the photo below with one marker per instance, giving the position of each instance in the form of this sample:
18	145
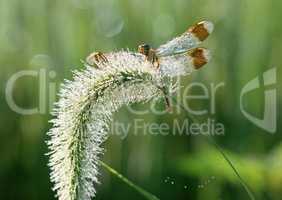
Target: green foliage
55	35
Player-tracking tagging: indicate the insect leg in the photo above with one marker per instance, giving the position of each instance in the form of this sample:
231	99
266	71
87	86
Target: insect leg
166	99
168	104
156	62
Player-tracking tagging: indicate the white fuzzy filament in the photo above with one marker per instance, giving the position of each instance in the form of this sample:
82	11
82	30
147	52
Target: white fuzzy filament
85	108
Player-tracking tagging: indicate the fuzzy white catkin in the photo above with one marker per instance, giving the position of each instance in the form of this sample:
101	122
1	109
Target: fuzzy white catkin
85	108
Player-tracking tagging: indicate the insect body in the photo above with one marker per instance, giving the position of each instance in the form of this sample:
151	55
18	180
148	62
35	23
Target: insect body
96	57
150	54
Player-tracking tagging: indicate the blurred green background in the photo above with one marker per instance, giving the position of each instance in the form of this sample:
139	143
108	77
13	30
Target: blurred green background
56	35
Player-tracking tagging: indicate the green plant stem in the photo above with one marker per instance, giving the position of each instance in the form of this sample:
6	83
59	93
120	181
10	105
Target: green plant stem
150	196
143	192
221	151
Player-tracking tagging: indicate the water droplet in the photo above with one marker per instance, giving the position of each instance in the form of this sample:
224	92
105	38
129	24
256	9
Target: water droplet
167	179
41	60
172	182
110	24
52	74
185	187
201	186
